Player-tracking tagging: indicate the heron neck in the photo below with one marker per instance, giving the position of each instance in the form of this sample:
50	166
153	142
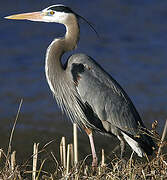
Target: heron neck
72	34
53	65
59	46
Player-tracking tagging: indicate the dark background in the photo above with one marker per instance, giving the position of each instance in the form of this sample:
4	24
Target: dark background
132	49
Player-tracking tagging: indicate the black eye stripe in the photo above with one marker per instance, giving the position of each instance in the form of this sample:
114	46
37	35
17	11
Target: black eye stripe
61	9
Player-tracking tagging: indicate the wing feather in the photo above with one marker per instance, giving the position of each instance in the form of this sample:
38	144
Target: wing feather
104	95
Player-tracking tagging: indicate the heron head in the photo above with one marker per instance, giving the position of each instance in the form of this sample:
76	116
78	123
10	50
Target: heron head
55	13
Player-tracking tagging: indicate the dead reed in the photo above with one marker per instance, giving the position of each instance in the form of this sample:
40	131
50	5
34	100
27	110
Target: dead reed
70	167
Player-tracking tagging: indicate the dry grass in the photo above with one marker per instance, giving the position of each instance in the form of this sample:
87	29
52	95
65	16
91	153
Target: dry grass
115	169
70	168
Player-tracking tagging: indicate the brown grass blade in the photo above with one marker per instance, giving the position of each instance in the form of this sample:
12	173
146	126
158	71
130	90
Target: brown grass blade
12	132
75	136
162	138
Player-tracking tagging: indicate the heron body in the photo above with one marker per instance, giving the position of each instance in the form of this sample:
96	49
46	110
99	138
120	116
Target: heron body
85	91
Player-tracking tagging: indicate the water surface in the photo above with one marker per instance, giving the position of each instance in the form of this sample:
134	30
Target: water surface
132	49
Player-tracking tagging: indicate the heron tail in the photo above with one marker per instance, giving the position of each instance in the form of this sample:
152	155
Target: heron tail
142	143
146	142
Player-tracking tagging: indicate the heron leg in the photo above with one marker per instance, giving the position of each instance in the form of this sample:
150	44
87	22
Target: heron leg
95	160
122	145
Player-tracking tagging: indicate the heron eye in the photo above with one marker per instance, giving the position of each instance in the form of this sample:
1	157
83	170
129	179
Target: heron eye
52	12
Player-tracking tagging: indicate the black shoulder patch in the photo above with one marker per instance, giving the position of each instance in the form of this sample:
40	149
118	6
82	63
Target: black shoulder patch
76	70
61	9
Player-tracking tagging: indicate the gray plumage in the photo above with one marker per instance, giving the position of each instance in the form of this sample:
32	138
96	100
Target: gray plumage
112	110
88	94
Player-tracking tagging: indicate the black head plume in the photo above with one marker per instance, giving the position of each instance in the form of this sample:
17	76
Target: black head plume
65	9
78	16
60	8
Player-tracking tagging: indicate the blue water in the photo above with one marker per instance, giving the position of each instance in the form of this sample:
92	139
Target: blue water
132	47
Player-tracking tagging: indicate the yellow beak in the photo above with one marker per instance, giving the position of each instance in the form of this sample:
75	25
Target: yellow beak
33	16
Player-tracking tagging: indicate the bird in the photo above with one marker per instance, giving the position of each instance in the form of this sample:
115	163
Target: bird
89	95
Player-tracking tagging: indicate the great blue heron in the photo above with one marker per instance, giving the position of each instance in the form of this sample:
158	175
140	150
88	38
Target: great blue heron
88	94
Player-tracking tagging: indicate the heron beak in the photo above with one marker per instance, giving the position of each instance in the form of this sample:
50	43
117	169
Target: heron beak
33	16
